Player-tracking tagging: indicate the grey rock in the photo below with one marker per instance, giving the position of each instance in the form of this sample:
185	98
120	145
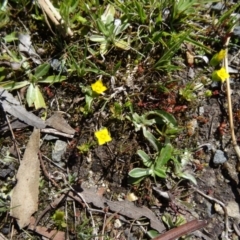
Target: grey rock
236	31
218	7
219	157
58	151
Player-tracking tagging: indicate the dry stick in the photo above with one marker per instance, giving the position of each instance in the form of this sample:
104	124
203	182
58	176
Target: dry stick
75	215
46	173
55	164
182	230
66	216
234	141
56	132
53	14
221	204
104	225
13	137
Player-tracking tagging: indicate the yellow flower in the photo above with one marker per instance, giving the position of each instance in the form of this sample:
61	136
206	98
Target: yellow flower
98	87
220	75
103	136
221	55
218	57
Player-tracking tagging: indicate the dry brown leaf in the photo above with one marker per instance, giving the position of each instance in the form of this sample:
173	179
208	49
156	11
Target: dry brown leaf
125	208
24	201
58	122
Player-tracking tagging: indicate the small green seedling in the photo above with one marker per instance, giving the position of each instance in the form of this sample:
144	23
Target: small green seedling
156	165
59	220
171	223
111	31
85	147
187	93
32	77
164	120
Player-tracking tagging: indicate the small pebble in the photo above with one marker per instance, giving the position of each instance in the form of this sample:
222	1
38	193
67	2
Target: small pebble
233	209
90	173
218	209
201	110
131	197
117	223
219	157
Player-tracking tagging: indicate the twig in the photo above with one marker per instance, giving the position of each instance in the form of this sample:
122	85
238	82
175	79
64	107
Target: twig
182	230
75	215
104	225
56	132
13	137
230	114
221	204
66	216
46	173
55	164
53	14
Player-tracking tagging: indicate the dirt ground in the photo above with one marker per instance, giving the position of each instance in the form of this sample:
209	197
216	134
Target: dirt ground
92	187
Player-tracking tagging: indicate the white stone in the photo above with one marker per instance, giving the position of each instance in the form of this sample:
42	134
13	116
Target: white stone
117	223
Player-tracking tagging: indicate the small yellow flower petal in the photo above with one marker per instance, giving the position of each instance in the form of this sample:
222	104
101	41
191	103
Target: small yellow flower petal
220	75
98	87
103	136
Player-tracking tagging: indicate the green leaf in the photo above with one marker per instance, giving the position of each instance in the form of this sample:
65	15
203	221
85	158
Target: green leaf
10	37
172	46
134	181
30	96
160	172
141	12
147	161
12	85
103	48
108	15
53	79
140	172
165	116
152	233
188	176
122	44
89	100
165	156
102	28
39	100
97	38
167	219
41	70
154	142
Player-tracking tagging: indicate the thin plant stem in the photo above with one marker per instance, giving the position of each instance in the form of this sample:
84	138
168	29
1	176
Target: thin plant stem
230	114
